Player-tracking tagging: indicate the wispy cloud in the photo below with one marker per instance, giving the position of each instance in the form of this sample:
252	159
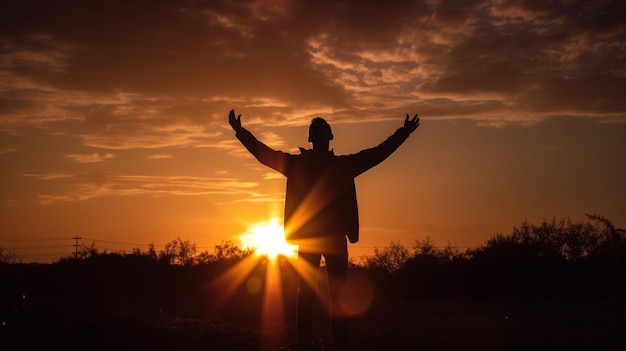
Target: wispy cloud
47	175
7	149
89	158
84	186
273	175
160	156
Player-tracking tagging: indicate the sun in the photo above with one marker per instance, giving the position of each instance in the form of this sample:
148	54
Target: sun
268	239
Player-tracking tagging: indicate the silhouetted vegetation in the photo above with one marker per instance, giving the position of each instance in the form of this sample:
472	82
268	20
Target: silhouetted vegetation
553	279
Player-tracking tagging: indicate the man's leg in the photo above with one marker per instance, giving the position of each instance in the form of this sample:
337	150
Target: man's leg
307	277
337	267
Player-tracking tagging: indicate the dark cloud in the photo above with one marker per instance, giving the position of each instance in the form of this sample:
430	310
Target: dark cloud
127	66
165	48
550	57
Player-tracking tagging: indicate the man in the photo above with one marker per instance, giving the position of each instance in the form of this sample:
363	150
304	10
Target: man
321	211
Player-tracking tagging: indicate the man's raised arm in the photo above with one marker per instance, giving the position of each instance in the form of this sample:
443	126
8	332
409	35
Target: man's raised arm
369	158
266	155
410	125
234	122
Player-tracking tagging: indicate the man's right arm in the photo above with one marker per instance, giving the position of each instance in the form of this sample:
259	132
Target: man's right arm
369	158
266	155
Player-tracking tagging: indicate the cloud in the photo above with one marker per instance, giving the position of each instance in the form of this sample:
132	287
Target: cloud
160	156
529	57
273	175
166	74
47	175
85	186
7	149
89	158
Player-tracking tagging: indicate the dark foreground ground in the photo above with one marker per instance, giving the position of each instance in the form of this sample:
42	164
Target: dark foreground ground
111	303
392	326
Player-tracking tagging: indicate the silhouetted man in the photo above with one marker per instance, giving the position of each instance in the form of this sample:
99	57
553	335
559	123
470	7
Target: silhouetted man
321	211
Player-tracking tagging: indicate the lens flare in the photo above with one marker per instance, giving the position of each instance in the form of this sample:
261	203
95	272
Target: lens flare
268	239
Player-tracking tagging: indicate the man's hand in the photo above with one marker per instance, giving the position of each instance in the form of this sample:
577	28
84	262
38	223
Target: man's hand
410	124
235	122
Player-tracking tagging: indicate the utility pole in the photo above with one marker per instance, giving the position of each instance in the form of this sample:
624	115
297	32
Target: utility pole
76	245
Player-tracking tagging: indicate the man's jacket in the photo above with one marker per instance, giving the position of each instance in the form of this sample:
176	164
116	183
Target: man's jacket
320	198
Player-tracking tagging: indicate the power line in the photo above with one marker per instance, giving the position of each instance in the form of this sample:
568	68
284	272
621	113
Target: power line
50	239
40	247
120	242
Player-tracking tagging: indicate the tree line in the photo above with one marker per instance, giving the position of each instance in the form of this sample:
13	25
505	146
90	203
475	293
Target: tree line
98	298
593	239
565	240
555	258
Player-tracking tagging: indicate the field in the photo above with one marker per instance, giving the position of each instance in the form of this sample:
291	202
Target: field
388	326
113	302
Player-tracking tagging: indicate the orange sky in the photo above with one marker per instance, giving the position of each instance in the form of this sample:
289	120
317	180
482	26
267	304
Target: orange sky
113	116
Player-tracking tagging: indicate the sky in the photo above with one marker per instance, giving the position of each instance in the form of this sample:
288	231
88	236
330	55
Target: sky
114	116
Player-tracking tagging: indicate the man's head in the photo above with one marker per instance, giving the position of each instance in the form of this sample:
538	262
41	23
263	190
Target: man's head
319	131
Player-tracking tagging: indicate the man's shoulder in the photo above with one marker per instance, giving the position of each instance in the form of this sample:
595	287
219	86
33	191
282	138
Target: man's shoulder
314	153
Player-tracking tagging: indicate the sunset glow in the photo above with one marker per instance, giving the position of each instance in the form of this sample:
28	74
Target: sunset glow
119	134
268	239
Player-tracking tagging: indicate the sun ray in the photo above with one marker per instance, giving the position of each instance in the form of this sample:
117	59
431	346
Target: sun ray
273	312
227	282
267	240
307	272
